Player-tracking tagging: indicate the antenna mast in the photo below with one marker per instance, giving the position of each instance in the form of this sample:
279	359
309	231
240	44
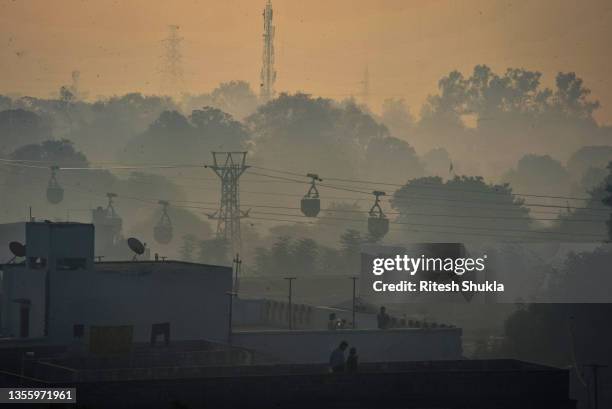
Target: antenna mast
268	74
229	166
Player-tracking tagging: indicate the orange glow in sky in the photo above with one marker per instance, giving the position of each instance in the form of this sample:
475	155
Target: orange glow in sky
322	46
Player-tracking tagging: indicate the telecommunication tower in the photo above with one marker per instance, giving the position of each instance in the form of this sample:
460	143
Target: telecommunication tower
229	166
268	74
172	69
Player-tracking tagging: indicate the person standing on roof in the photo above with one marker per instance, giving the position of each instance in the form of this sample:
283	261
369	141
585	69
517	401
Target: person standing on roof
384	320
337	361
352	361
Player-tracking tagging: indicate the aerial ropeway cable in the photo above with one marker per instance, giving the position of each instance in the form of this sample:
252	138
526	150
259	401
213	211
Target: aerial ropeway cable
378	222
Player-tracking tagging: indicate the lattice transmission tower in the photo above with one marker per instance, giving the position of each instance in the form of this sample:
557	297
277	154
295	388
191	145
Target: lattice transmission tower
172	67
229	166
365	91
268	74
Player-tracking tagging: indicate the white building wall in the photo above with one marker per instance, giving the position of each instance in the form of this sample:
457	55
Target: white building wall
10	232
190	297
372	345
56	241
19	283
271	313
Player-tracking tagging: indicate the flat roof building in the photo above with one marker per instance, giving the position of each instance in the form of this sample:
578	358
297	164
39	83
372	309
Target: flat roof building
58	292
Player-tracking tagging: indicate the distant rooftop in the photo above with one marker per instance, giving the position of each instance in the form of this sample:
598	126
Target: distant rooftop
127	263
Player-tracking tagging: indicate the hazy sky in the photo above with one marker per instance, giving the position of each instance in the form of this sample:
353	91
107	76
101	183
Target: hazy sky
322	46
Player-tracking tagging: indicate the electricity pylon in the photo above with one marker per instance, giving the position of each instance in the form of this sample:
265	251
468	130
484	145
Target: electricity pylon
172	69
365	91
229	166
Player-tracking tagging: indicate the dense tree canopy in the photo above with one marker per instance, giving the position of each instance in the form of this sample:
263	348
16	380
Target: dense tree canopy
539	174
588	157
463	209
234	97
20	127
301	132
505	116
172	137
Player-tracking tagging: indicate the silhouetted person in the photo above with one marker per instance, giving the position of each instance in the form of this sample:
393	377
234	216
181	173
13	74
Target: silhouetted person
332	324
337	361
352	362
383	318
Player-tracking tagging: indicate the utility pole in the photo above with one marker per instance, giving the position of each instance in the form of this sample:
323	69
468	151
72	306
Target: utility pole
354	278
231	295
229	166
268	74
290	279
237	268
596	368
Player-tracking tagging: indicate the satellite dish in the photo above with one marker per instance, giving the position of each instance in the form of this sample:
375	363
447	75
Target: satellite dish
18	249
136	246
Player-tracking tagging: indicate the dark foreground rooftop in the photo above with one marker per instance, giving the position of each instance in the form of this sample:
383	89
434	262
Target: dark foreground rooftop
486	384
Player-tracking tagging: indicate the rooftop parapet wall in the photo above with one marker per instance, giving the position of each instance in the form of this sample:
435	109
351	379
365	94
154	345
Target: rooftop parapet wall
394	345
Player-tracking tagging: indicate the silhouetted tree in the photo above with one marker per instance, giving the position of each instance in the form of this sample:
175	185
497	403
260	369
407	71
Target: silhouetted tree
304	255
461	209
188	247
5	103
505	116
214	251
437	162
219	129
301	132
263	262
281	256
174	137
336	219
587	222
392	159
588	157
539	174
397	117
19	127
555	333
52	152
571	96
350	246
235	97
